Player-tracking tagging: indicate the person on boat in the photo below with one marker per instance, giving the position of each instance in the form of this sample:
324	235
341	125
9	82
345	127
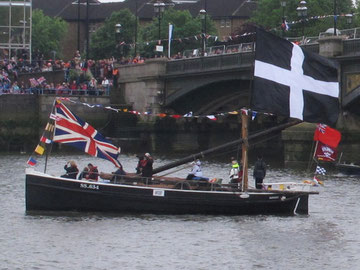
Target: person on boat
259	172
118	173
140	164
196	171
90	172
84	173
71	170
93	173
147	165
235	172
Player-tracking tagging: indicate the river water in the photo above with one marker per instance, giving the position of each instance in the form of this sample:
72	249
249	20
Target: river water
328	238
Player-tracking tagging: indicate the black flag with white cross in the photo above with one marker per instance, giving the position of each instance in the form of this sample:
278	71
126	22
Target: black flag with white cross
292	82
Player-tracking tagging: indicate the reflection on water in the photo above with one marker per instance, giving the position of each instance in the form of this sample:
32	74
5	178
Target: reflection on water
326	239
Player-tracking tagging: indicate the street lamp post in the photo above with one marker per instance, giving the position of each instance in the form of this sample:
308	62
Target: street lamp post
78	25
203	30
117	37
136	28
335	18
159	8
302	13
87	29
283	5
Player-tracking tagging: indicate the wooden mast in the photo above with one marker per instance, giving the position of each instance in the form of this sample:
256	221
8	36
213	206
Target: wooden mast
244	148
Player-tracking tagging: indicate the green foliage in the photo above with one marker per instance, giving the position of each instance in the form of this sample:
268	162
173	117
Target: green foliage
269	15
47	33
105	42
184	26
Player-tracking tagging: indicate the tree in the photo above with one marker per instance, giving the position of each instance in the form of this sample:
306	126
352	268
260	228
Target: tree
47	33
185	28
269	16
105	42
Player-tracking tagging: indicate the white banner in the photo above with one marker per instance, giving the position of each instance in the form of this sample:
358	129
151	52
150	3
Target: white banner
170	37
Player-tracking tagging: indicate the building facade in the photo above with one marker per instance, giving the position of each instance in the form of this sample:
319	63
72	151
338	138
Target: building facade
228	15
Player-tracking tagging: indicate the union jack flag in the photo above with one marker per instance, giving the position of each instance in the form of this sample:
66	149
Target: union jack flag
71	130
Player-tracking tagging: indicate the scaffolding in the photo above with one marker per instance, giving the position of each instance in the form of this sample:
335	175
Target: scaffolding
15	29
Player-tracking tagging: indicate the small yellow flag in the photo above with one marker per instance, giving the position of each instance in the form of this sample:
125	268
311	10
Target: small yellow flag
39	150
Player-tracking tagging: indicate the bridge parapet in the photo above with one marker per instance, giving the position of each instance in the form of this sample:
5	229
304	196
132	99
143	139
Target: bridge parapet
152	68
209	63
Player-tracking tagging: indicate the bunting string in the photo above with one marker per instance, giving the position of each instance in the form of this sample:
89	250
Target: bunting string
226	38
212	117
46	137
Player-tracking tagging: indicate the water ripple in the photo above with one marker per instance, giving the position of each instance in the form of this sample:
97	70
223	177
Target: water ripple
328	238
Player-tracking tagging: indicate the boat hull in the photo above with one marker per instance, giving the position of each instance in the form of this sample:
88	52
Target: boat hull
44	192
348	169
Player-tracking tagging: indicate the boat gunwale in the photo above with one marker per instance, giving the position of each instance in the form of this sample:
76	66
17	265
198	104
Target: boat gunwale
249	191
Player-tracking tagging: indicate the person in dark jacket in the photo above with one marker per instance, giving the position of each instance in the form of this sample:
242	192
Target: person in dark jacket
118	173
93	173
140	164
90	172
71	170
259	172
147	166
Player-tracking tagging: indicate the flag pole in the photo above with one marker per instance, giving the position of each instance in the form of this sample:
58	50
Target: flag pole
312	156
52	133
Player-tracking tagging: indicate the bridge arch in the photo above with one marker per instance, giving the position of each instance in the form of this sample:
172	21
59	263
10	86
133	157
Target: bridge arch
211	96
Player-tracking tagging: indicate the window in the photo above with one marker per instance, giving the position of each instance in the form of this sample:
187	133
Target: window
222	23
228	23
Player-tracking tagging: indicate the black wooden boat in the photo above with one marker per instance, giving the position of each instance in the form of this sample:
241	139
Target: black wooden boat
165	195
348	168
132	195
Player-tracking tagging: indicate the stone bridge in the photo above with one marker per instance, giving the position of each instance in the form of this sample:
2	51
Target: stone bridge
209	84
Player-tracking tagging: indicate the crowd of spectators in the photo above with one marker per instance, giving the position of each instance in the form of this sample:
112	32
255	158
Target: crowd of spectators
81	77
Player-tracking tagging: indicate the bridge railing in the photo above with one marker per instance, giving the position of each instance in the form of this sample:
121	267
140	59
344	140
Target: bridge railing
351	47
216	50
352	33
243	54
210	63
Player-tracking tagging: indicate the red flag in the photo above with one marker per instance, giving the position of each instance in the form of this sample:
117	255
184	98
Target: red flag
327	135
325	152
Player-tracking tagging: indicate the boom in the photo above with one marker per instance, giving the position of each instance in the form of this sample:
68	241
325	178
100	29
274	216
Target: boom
223	146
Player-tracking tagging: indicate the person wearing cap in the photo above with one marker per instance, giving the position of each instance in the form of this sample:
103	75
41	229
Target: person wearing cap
147	166
196	171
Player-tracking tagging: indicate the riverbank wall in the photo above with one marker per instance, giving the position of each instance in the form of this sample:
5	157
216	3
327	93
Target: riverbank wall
24	117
